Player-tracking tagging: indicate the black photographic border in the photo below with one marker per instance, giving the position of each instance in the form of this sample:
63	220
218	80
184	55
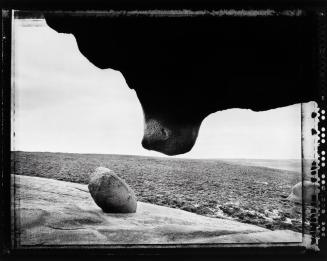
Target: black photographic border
317	224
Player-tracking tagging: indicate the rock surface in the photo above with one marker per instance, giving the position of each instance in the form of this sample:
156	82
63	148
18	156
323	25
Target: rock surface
52	212
310	189
111	193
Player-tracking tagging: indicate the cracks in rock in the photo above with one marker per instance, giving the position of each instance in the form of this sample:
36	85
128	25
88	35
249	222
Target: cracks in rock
82	190
61	228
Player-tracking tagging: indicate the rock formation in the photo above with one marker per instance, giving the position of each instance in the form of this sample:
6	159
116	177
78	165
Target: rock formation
184	67
111	193
50	212
310	189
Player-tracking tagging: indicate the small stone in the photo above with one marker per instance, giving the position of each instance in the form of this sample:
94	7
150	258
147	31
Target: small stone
111	193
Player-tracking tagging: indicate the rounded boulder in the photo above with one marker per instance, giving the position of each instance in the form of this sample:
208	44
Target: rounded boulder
111	193
310	189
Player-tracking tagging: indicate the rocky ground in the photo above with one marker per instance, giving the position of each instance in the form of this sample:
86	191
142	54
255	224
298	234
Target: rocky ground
53	212
214	188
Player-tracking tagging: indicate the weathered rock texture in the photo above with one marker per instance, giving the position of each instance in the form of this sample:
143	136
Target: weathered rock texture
52	212
310	190
111	193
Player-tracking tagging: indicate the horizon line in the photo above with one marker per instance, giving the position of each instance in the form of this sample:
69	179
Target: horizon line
159	156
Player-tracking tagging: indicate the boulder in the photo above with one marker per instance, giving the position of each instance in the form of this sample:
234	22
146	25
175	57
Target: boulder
310	189
50	212
111	193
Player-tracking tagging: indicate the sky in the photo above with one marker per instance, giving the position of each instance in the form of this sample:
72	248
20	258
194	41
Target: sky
63	103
